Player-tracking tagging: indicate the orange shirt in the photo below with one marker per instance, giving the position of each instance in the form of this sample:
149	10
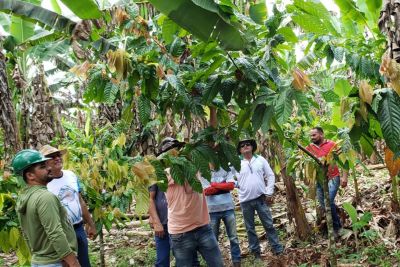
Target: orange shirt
322	151
187	209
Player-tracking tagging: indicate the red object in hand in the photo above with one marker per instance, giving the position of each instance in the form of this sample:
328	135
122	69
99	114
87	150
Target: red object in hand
223	186
209	191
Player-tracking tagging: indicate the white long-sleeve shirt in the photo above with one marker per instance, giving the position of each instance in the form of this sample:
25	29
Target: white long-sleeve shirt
255	178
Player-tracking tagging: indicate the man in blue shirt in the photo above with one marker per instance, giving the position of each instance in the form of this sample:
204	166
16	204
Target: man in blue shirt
221	207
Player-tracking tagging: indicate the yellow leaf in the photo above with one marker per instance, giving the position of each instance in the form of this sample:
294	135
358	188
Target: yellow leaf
14	236
366	92
392	165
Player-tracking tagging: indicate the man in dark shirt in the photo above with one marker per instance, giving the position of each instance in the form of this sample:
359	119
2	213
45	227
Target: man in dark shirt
159	218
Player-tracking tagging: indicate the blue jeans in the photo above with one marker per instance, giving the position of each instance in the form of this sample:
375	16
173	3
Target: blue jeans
57	264
163	246
201	239
264	213
162	249
83	251
333	187
228	216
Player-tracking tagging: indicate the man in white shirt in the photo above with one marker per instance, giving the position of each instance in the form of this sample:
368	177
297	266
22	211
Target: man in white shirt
65	185
256	187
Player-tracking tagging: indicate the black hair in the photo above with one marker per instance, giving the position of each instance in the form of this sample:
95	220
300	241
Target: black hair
29	169
319	129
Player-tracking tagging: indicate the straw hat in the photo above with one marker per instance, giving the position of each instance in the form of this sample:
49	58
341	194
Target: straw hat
48	150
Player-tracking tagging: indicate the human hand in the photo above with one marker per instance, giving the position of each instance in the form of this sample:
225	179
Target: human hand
159	230
91	231
269	200
343	179
343	182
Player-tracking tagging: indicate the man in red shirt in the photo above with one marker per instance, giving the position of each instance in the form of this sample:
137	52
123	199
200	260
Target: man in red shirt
321	148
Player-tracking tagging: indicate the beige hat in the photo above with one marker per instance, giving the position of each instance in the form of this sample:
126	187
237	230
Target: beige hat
48	150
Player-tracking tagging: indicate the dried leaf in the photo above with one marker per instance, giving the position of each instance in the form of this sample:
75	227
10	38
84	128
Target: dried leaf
300	80
366	92
391	70
81	70
392	165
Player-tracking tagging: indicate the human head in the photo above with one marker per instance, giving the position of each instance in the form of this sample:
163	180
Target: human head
169	143
246	146
56	161
31	165
317	135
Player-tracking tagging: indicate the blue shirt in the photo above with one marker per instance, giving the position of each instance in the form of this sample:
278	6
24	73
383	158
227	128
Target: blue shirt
221	202
161	204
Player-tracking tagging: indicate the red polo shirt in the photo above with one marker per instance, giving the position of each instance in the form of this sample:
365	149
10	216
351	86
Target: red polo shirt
322	151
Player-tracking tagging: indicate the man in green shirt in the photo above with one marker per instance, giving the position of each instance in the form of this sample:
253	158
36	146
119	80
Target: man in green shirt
44	222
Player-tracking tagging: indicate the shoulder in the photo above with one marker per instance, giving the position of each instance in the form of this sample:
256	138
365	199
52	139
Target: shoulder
153	188
45	196
260	158
69	173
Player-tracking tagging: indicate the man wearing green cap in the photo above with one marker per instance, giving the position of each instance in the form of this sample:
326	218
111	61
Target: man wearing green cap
43	220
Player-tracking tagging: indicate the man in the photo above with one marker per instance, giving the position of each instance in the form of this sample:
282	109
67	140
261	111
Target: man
256	187
321	148
221	207
43	220
65	186
158	211
188	221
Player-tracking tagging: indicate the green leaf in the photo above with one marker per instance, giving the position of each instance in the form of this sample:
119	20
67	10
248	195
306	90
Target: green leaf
227	88
14	236
350	12
342	88
330	96
288	34
211	89
258	13
262	117
160	173
84	9
310	23
351	211
176	84
55	6
201	163
177	174
26	14
389	118
284	106
243	119
110	92
201	18
231	154
5	21
169	29
144	109
21	29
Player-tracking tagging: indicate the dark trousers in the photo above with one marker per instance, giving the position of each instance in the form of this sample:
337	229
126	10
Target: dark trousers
83	250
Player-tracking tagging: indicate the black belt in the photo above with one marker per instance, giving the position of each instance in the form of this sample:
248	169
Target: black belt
77	225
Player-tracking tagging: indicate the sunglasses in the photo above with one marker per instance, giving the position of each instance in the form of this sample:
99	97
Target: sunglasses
54	155
245	144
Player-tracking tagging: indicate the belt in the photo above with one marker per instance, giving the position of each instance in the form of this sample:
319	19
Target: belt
77	225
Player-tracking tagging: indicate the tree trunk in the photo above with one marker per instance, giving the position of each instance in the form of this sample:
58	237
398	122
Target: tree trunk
389	24
45	120
295	209
8	118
